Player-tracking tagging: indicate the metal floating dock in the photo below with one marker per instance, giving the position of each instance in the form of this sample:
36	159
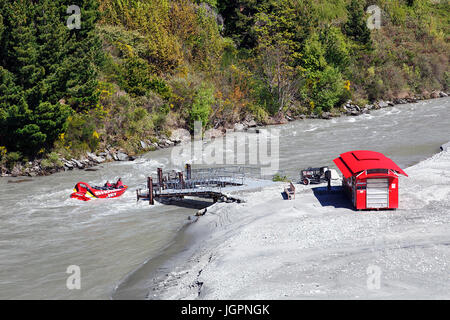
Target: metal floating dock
200	183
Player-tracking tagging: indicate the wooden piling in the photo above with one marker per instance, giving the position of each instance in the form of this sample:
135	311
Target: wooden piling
160	177
188	171
180	176
150	191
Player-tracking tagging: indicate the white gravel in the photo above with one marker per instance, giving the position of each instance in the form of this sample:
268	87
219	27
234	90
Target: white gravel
270	248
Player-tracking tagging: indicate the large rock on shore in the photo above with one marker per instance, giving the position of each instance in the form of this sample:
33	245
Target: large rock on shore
239	127
180	136
77	163
94	158
121	156
383	104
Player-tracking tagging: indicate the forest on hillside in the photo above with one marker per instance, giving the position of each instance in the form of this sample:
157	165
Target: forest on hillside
135	69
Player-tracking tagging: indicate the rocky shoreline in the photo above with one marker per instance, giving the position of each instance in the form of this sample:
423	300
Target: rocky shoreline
91	160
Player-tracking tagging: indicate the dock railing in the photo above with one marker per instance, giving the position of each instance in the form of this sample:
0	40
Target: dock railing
202	182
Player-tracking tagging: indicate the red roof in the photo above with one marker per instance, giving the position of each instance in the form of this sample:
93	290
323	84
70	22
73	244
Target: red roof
353	162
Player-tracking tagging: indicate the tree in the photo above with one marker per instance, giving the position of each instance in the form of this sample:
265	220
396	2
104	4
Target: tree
239	20
84	54
22	57
42	62
52	36
202	105
280	77
356	25
281	31
2	27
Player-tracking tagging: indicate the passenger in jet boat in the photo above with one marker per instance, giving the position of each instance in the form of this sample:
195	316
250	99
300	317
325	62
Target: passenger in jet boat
108	185
119	184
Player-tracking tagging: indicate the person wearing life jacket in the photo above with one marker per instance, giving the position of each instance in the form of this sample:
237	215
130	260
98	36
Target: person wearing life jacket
108	185
119	184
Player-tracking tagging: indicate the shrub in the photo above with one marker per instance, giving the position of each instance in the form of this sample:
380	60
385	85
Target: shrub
10	159
51	161
280	178
202	105
81	134
260	113
326	89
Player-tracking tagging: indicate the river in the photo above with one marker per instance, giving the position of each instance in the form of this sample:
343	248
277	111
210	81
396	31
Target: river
43	231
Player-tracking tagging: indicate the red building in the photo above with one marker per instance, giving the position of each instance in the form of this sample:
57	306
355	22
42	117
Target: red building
370	179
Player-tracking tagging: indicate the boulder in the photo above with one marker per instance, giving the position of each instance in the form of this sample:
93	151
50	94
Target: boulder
95	158
77	163
435	94
180	136
400	101
383	104
326	115
252	124
443	94
165	143
144	145
121	156
68	165
289	118
279	119
16	171
238	127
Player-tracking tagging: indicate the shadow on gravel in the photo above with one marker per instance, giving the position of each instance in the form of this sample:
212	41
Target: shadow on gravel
334	198
187	203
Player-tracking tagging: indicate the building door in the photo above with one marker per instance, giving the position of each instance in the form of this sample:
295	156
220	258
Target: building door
377	193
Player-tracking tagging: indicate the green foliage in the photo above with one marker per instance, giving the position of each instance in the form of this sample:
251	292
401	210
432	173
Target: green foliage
10	159
265	100
325	89
314	54
202	106
138	68
41	63
51	161
136	76
356	25
337	51
30	131
81	134
280	178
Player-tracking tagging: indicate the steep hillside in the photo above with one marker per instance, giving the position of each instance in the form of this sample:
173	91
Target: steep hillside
137	69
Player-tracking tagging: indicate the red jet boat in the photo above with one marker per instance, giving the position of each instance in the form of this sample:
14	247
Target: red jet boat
85	192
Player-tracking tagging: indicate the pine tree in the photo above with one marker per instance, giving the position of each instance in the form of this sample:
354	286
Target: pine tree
2	27
22	58
52	35
83	55
356	26
41	62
